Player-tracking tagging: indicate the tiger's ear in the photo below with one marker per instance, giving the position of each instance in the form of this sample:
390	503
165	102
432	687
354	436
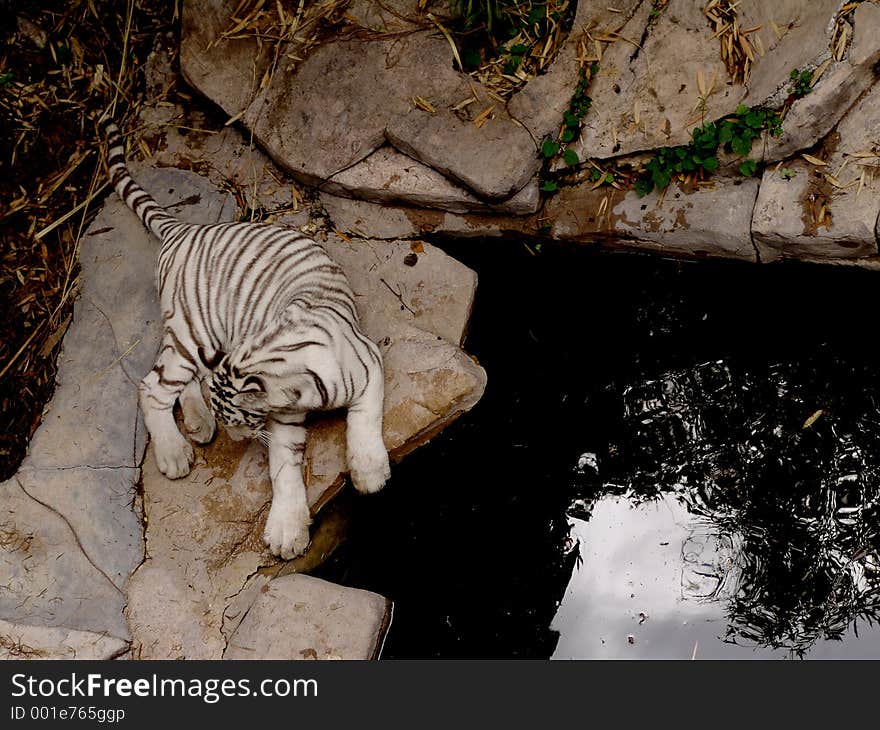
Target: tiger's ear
213	361
252	400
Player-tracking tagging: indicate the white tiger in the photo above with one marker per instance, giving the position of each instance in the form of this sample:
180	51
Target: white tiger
270	320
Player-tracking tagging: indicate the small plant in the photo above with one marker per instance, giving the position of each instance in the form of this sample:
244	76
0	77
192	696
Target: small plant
801	83
786	173
6	79
577	110
734	134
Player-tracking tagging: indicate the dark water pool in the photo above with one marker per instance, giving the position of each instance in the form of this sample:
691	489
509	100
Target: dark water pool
670	460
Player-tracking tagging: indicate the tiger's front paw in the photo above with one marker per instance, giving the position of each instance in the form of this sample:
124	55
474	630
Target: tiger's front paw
287	529
369	468
174	455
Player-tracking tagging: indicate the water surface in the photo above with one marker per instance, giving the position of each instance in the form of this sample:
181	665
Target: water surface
671	460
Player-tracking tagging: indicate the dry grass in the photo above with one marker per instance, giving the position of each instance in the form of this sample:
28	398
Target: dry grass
62	65
843	30
290	28
506	73
738	50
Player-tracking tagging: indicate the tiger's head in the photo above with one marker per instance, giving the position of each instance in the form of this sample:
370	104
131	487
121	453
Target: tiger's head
243	397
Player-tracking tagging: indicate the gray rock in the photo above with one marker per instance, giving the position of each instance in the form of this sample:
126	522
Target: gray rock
388	16
654	77
495	160
540	104
806	27
47	578
229	71
102	508
300	617
90	420
389	176
20	641
413	283
812	117
787	220
709	221
368	220
318	122
658	81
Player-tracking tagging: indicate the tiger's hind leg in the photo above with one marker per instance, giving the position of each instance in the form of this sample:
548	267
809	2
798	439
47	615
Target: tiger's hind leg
197	417
365	447
158	391
287	526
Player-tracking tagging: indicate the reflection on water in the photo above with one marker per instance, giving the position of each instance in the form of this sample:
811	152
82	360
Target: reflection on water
766	482
670	460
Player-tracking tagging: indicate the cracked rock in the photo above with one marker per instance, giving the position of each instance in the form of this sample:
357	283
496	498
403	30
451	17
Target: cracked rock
826	212
709	221
300	617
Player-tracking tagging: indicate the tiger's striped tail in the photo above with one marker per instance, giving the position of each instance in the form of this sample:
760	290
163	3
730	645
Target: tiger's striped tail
154	216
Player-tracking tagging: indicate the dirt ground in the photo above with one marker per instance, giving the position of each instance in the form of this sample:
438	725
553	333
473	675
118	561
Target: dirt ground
63	63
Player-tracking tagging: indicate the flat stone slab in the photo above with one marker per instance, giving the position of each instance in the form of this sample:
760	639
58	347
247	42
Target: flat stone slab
19	641
72	514
812	117
789	221
647	92
228	70
713	220
316	120
389	176
49	579
300	617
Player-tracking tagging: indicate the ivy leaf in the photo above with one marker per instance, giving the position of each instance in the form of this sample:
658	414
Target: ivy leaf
549	148
748	167
570	157
725	132
742	110
741	146
643	187
567	135
753	120
710	164
549	187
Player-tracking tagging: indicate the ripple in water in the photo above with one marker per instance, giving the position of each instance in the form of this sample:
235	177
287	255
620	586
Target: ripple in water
671	460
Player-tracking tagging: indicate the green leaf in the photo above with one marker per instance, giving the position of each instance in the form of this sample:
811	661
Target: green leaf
549	148
741	146
661	179
748	167
609	178
570	157
710	164
572	120
519	49
568	135
643	187
549	187
471	59
742	110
